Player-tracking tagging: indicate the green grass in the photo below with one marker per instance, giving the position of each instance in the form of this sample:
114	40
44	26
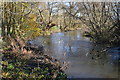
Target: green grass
55	28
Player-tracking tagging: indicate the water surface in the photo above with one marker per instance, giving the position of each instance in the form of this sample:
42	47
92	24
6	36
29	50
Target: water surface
84	59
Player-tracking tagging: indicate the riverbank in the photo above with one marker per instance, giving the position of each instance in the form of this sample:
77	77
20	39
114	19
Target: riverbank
29	66
21	63
57	30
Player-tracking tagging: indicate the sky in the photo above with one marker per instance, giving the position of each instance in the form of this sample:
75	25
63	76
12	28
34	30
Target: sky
60	0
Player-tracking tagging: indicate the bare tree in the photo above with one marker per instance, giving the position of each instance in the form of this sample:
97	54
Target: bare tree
101	18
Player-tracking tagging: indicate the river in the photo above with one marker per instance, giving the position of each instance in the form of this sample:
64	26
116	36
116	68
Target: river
84	59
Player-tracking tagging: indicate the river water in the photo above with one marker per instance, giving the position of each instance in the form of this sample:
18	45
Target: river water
83	58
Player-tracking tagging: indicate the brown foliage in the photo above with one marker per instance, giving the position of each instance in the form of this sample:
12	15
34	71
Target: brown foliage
17	47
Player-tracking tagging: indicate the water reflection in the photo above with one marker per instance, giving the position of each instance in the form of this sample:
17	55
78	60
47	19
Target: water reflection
86	60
